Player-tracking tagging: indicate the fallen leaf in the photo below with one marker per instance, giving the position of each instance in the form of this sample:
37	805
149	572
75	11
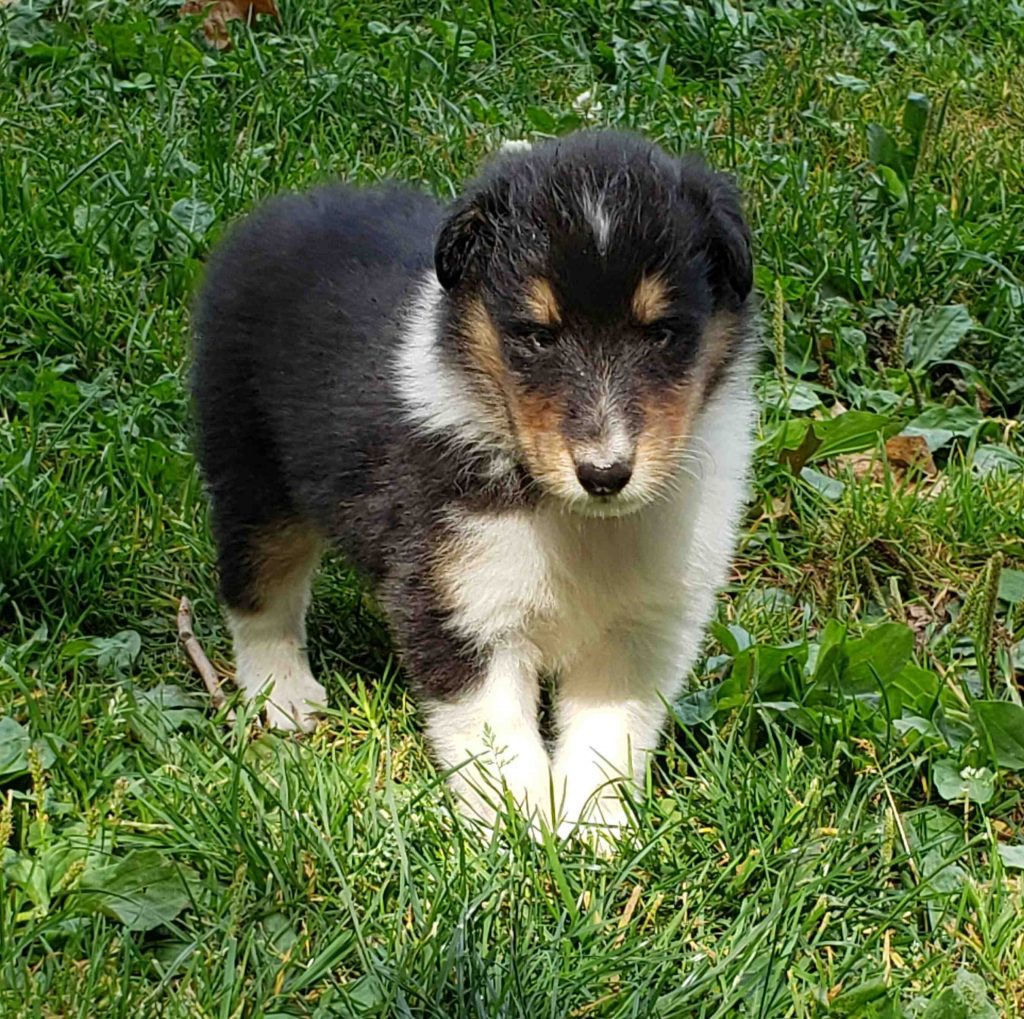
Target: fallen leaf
910	451
864	465
903	453
918	617
220	12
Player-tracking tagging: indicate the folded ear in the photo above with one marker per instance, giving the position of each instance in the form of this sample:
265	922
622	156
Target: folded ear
727	236
467	236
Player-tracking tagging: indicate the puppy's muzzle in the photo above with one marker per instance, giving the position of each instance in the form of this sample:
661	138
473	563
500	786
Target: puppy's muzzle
604	478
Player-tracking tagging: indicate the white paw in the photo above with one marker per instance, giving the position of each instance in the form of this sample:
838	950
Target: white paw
590	807
294	702
280	670
603	825
484	785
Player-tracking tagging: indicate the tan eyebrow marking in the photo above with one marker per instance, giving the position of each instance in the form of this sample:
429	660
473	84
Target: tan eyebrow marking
541	301
650	300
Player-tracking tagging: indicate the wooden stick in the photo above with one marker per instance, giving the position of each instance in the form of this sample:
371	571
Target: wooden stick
197	656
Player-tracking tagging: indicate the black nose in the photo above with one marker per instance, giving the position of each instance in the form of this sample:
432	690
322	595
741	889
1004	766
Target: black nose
604	479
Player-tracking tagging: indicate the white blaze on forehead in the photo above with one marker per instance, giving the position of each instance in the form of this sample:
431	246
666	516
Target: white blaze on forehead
599	220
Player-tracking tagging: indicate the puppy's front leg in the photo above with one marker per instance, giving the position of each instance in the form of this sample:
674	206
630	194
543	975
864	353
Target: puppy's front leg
488	735
610	713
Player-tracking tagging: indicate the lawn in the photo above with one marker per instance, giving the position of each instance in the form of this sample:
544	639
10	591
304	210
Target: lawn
834	826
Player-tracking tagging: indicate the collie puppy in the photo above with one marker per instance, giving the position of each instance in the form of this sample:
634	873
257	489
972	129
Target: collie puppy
524	417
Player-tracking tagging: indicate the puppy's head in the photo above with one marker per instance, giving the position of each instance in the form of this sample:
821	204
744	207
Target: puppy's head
597	295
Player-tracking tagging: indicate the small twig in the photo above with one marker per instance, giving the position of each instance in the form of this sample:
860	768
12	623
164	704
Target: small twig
197	656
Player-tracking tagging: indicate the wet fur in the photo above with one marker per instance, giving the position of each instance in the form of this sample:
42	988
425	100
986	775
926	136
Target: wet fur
415	386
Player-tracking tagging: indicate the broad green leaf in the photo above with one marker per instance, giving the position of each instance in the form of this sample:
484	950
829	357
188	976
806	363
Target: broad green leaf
942	873
791	433
847	81
1002	725
367	994
1009	368
733	638
894	185
882	148
916	723
851	1003
165	708
142	891
1011	586
797	444
87	217
193	216
828	488
143	240
915	117
954	726
1013	856
541	119
189	220
994	458
797	395
851	432
15	742
113	655
833	635
966	999
30	876
877	657
918	689
935	334
940	425
697	706
777	669
955	783
933	827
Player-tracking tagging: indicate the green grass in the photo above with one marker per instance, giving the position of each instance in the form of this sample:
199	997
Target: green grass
810	843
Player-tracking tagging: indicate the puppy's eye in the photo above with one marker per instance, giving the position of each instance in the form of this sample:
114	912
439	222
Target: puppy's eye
541	340
664	336
533	337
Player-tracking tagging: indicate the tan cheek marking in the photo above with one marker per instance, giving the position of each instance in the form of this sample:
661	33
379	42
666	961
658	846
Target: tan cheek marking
542	303
718	338
650	299
538	422
667	417
536	419
483	345
669	413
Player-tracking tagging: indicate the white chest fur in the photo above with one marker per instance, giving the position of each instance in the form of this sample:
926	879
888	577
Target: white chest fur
562	582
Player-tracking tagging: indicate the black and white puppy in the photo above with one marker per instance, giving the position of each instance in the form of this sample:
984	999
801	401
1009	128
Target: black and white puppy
525	418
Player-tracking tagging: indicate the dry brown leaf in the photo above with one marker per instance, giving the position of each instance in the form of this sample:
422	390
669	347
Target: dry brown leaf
863	465
910	451
220	12
903	453
918	617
